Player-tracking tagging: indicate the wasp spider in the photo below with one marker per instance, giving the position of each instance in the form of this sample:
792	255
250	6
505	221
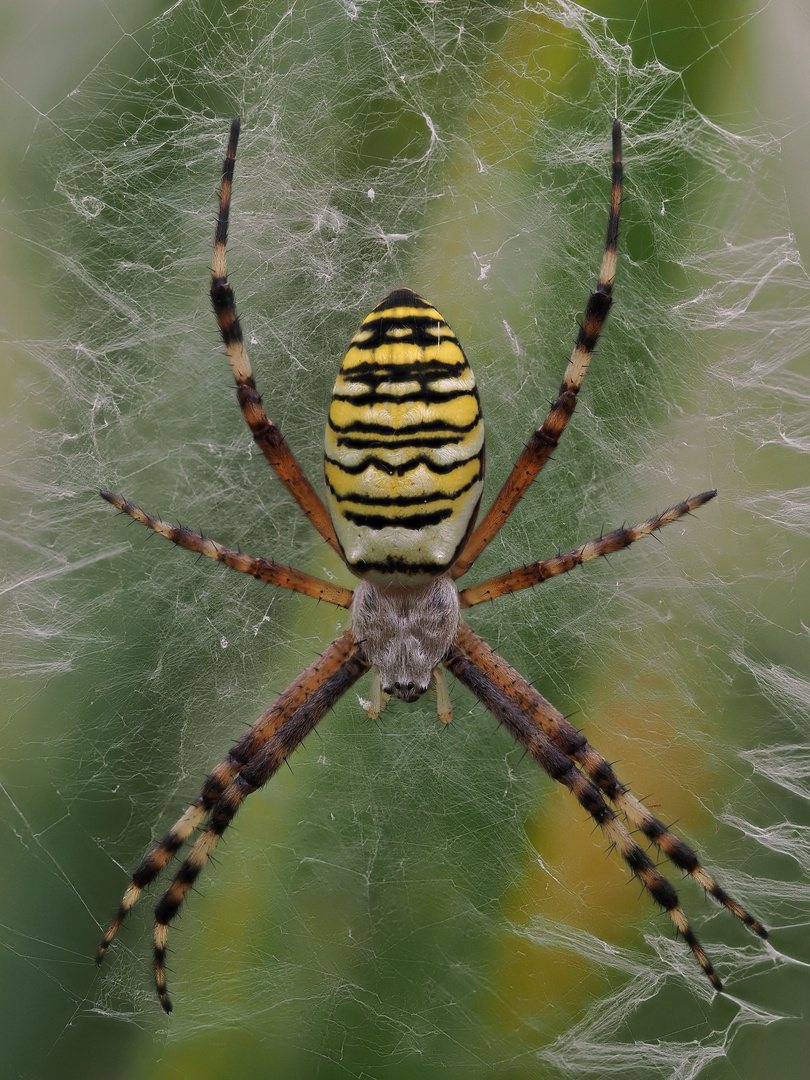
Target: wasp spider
404	470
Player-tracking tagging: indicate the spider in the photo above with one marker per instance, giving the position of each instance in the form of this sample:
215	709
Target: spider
404	470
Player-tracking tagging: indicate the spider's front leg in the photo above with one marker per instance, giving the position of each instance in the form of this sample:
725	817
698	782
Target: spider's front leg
330	669
546	734
293	726
561	768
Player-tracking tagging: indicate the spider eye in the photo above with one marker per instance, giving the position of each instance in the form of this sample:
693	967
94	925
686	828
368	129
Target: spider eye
408	691
405	690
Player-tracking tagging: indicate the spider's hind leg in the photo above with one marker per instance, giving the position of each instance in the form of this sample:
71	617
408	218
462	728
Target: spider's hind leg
267	435
544	440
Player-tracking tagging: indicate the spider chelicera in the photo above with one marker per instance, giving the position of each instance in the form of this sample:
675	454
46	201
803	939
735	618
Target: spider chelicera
404	470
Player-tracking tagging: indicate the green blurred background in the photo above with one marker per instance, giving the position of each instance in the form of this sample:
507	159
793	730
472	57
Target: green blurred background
405	901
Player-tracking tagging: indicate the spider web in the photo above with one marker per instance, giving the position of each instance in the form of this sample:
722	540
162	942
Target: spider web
407	899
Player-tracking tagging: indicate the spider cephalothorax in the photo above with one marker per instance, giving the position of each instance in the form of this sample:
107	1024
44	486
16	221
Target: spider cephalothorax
406	631
404	468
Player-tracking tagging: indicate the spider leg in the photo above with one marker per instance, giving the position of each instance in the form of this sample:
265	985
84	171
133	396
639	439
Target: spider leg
327	665
535	573
544	440
295	723
263	569
573	743
561	768
268	437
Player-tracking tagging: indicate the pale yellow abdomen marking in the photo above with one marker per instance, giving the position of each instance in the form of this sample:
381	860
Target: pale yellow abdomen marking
404	444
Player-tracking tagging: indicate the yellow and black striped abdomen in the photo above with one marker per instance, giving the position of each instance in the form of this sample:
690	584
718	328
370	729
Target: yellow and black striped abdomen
404	455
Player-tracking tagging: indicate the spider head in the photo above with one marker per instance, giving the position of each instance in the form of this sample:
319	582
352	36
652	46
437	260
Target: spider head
405	631
405	669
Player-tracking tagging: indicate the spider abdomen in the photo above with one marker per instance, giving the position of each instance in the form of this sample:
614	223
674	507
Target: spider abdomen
404	449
